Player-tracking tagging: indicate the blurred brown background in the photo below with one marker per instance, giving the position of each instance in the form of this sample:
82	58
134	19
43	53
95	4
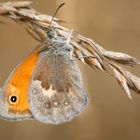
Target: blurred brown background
110	115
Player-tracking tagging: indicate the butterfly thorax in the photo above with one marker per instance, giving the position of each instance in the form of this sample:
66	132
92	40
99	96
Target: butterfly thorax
57	44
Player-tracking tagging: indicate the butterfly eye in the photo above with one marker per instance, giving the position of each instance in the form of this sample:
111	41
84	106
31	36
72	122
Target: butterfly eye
13	99
68	49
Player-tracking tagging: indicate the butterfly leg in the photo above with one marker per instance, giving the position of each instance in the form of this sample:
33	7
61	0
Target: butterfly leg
72	49
78	58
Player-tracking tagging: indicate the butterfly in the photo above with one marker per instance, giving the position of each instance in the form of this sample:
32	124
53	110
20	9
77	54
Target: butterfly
46	86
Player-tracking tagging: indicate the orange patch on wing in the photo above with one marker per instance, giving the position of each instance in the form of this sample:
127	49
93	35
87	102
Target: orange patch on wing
19	83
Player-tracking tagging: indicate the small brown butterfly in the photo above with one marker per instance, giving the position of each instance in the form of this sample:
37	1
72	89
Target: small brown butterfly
46	86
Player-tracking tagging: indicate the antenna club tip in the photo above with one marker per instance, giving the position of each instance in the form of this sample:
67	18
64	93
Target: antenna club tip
62	4
56	13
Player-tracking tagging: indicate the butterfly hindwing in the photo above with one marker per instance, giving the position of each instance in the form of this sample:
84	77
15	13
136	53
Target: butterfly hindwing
56	91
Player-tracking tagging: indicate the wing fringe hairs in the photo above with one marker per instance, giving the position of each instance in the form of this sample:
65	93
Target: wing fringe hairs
85	49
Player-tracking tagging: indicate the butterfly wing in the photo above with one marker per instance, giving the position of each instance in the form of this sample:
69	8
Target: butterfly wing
56	91
13	97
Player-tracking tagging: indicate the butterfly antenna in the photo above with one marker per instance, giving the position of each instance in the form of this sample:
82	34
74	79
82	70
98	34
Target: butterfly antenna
55	14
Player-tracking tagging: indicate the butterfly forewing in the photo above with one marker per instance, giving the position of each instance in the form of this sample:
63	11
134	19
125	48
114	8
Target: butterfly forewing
14	103
56	92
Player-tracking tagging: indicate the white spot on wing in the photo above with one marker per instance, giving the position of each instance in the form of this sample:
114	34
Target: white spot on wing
55	103
49	92
14	89
34	91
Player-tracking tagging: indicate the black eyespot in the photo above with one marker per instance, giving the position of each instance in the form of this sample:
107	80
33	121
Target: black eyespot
13	99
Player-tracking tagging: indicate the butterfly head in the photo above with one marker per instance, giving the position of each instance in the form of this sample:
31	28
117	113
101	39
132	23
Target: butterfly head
52	33
58	42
